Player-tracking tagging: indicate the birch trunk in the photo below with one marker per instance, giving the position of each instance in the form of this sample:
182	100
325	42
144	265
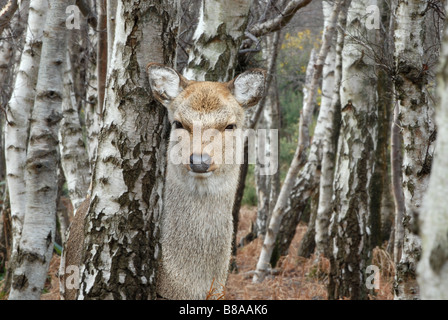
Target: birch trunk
74	158
305	185
11	46
355	165
299	156
217	39
36	243
433	265
18	113
267	185
397	184
92	111
7	12
121	232
329	142
418	131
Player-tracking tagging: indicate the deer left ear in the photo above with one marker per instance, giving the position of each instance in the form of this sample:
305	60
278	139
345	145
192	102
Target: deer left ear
248	87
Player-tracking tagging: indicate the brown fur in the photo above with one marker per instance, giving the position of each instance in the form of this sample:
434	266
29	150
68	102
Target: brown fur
196	224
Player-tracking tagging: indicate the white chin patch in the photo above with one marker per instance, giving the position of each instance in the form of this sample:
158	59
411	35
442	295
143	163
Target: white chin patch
200	175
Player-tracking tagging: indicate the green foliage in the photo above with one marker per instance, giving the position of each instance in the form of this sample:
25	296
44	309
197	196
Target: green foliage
57	248
250	192
293	59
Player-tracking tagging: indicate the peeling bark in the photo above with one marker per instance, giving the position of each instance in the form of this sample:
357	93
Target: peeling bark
92	110
74	158
121	232
418	132
42	158
18	113
329	144
217	39
355	165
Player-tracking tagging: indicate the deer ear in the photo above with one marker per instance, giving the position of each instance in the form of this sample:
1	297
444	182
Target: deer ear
166	83
248	87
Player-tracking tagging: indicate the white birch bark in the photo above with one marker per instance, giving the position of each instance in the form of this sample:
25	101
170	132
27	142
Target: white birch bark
74	158
267	184
121	239
355	163
92	112
18	114
331	112
397	183
300	153
36	243
305	184
433	265
217	39
417	124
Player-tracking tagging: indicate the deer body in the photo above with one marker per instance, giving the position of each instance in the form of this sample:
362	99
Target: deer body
197	223
196	227
196	238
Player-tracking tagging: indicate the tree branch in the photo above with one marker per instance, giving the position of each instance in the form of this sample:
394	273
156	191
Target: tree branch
6	13
272	25
87	12
275	24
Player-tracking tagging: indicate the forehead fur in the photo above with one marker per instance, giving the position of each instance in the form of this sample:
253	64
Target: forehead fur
208	96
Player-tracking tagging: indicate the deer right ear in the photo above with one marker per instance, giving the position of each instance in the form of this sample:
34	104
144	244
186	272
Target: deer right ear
248	88
166	83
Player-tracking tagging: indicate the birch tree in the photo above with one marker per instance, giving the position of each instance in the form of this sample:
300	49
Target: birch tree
305	185
74	157
267	185
299	156
433	265
121	233
355	165
217	39
18	113
92	109
417	128
36	244
7	12
330	138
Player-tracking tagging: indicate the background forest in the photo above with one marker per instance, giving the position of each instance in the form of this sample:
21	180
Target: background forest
355	88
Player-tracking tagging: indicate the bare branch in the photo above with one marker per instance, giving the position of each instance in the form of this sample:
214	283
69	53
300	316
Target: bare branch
272	25
279	21
6	13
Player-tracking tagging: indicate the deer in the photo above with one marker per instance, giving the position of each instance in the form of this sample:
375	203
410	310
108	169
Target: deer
196	225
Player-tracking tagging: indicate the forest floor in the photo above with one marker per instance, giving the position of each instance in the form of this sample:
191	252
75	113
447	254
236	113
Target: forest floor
297	278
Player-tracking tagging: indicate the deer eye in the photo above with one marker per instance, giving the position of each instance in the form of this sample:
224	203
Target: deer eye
231	127
177	125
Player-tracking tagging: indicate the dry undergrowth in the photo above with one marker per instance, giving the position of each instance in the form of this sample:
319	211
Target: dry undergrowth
296	278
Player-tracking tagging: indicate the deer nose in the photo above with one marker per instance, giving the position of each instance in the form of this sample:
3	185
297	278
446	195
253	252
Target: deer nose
200	163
